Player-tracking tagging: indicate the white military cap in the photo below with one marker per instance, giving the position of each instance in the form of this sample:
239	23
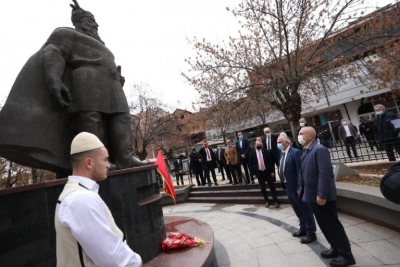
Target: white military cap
85	142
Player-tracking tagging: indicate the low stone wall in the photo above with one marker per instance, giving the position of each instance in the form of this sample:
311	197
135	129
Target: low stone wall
182	195
368	203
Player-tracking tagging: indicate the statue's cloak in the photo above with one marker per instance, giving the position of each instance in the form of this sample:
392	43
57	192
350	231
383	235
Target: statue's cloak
34	130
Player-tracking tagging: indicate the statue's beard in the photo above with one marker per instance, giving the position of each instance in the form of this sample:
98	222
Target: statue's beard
91	31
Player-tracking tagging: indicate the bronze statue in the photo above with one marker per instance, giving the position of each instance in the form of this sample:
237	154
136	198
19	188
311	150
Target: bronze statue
70	85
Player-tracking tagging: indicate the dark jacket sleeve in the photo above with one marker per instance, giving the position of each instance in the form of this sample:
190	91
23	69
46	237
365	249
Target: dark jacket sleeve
325	172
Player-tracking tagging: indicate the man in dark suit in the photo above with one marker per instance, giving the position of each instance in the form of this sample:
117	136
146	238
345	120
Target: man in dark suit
384	132
269	143
178	168
318	190
222	164
208	162
366	130
289	171
195	163
243	150
348	135
262	167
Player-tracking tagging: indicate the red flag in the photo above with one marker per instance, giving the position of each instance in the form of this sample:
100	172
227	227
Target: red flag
163	171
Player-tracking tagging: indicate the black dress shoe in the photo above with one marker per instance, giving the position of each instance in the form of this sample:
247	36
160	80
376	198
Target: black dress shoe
299	233
216	183
329	254
308	239
342	262
252	182
209	184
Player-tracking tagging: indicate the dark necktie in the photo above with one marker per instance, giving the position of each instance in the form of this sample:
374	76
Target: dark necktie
268	144
281	166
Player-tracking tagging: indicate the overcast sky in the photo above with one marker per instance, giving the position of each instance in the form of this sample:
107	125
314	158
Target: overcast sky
147	38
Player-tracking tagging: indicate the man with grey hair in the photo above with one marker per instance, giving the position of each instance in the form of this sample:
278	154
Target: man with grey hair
384	132
289	171
86	232
269	143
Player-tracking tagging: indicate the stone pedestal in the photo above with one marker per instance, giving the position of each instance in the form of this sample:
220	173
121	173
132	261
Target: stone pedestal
27	234
134	199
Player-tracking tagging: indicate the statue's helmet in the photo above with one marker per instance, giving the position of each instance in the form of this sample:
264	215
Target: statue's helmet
78	13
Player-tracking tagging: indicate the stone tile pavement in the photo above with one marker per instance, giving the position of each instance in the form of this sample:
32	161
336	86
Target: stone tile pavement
252	235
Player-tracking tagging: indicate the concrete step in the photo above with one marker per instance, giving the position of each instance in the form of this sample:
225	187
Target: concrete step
229	187
233	193
236	200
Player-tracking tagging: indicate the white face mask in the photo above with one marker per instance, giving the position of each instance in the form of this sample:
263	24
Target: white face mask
344	122
302	124
301	140
268	134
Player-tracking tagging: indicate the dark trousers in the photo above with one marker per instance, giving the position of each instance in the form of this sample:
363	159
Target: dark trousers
303	212
210	167
264	176
350	141
390	145
245	163
223	166
116	137
370	140
199	181
179	175
236	169
331	227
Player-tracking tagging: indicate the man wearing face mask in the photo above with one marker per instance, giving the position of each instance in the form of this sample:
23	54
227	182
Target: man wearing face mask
243	150
195	162
232	159
302	123
318	190
289	171
262	168
384	132
348	136
269	143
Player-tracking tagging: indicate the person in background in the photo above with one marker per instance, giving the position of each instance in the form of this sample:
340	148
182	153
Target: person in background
178	168
222	164
366	131
348	136
208	162
195	162
318	190
262	168
269	143
384	133
232	160
86	233
243	150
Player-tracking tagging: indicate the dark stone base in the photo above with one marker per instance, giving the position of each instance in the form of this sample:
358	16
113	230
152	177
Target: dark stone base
193	257
27	234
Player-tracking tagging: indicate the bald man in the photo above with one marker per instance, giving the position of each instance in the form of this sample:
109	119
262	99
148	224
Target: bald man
318	190
86	232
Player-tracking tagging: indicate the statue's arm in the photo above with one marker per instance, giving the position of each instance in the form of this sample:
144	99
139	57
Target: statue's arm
54	57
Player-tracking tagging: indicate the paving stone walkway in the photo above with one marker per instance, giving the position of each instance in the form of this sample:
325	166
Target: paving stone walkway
254	236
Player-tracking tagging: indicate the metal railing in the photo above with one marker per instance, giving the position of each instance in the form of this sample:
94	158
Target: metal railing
366	151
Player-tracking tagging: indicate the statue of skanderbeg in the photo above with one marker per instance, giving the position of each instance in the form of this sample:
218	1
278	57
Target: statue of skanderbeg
70	85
